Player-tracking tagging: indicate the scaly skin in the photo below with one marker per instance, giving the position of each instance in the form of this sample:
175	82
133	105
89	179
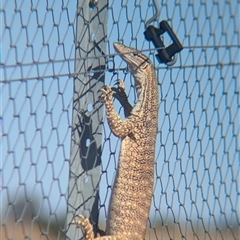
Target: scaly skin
132	191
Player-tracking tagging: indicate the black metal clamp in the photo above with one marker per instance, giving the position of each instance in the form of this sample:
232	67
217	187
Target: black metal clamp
165	54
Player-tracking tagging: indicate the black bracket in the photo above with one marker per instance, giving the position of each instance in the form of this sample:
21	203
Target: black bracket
165	54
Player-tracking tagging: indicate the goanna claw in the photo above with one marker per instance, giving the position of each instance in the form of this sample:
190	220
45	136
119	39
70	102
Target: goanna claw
120	89
106	93
78	222
86	225
120	84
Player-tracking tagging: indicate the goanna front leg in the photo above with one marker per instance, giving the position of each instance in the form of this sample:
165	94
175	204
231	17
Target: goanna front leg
87	227
119	127
120	94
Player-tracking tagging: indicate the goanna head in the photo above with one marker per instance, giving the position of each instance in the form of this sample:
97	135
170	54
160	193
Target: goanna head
138	63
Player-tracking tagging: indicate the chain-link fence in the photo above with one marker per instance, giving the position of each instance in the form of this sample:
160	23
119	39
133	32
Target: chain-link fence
56	147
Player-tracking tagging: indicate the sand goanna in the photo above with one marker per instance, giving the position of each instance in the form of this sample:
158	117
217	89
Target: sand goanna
132	191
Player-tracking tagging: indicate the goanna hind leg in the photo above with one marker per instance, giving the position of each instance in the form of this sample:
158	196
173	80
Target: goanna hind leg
87	227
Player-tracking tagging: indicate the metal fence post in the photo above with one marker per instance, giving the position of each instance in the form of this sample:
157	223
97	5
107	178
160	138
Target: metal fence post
91	34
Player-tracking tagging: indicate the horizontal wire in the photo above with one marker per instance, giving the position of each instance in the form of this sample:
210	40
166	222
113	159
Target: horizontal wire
75	74
109	55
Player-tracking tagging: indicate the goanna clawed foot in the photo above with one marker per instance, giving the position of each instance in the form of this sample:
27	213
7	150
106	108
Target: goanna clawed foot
119	91
107	93
120	94
86	225
120	84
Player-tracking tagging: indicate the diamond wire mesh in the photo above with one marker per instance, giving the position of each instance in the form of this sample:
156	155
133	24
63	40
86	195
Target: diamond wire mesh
196	192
